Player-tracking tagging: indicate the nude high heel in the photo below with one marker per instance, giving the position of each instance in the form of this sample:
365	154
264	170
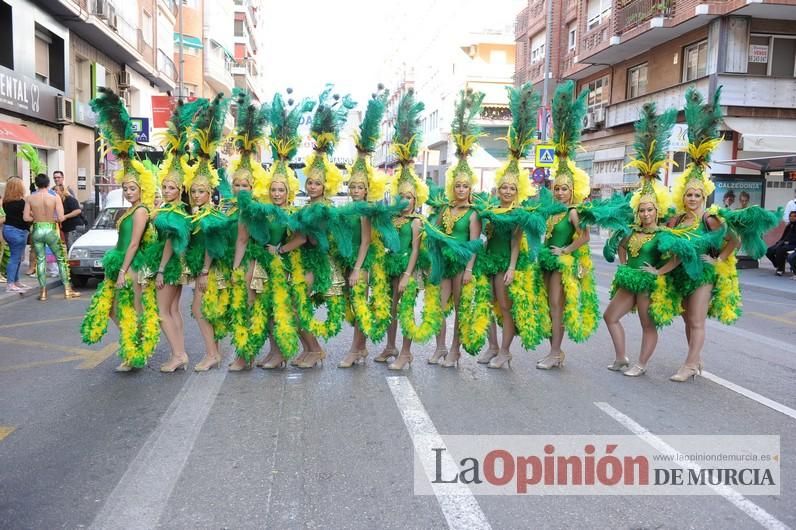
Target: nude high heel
312	359
499	360
207	364
439	353
487	356
617	366
386	355
401	362
636	370
687	372
551	361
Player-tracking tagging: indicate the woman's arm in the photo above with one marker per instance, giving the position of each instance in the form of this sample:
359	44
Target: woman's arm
475	233
59	209
414	254
583	236
168	252
296	240
364	244
240	244
730	241
516	239
666	268
140	218
622	251
27	215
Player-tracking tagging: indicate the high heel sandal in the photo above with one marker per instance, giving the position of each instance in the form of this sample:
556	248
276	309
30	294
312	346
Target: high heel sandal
550	361
174	364
386	355
499	360
204	365
272	364
487	356
617	366
123	368
262	362
298	359
352	358
69	293
439	353
450	363
636	370
313	358
43	295
235	366
401	362
687	372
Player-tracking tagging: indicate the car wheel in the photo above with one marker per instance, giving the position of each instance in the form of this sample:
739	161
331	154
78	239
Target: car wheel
79	281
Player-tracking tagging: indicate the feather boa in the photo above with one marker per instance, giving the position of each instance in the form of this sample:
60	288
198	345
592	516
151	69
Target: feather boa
430	318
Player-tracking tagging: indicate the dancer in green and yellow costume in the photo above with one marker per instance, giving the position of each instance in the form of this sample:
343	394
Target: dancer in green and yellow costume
459	219
125	296
507	259
312	225
207	256
166	257
565	258
264	214
716	292
648	251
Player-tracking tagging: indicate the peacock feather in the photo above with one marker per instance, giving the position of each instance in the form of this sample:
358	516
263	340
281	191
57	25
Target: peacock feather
116	129
371	123
568	114
285	120
330	116
407	136
523	103
465	132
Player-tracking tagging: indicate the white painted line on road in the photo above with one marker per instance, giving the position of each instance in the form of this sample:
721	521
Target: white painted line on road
140	497
462	510
765	519
779	407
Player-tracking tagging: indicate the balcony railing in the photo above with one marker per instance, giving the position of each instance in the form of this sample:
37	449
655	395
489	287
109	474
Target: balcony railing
633	12
520	75
495	113
672	97
171	5
521	23
127	31
596	36
166	66
145	49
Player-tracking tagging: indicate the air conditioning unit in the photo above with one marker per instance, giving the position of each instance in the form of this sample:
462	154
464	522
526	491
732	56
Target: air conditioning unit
589	123
63	110
124	79
599	115
100	8
125	95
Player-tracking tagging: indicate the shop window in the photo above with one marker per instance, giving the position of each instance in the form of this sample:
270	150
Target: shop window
637	81
695	61
6	37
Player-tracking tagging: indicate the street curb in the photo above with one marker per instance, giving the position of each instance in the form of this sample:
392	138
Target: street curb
10	298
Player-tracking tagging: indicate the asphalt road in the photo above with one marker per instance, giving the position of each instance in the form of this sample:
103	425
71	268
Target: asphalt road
82	446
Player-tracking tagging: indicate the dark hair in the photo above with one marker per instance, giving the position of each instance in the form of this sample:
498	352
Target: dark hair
58	172
42	180
745	194
730	193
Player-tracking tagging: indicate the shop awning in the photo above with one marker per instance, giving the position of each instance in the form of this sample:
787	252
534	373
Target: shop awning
764	164
482	159
19	134
188	41
766	135
226	51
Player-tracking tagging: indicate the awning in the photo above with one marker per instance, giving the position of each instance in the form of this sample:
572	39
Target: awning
19	134
229	53
764	164
188	41
482	159
764	134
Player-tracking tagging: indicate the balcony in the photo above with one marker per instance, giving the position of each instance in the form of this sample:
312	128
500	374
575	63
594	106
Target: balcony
166	66
634	12
521	75
145	49
743	90
628	111
521	24
171	6
218	68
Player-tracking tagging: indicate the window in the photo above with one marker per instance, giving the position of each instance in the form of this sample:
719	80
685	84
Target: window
239	28
146	27
759	51
783	57
6	37
598	93
49	58
598	12
572	36
537	47
42	51
637	81
695	61
82	80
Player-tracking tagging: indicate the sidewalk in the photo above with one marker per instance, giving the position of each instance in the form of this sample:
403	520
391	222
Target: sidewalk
761	279
7	298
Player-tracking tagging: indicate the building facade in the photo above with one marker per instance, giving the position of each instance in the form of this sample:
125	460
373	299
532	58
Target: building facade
629	52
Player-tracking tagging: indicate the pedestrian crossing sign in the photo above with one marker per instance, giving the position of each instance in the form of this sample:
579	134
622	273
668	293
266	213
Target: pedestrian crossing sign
545	155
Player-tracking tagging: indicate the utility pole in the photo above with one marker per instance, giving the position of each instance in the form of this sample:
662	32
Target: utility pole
547	60
180	85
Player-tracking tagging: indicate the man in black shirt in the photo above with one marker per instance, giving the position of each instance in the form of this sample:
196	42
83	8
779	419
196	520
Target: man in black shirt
779	250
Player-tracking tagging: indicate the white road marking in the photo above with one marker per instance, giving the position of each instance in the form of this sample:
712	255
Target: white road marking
140	497
779	407
462	510
765	519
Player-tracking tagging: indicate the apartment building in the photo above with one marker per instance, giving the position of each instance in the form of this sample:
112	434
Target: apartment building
246	69
629	52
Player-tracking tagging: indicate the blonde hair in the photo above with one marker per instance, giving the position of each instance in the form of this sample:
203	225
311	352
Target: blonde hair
14	191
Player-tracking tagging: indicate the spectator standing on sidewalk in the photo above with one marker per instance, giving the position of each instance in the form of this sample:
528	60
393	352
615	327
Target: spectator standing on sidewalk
58	178
790	206
15	231
778	252
72	216
2	242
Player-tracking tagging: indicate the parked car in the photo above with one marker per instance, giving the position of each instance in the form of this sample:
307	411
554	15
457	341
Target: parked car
85	256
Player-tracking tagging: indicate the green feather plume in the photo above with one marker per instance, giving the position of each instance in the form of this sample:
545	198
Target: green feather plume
285	120
407	136
464	131
523	103
703	118
250	121
651	142
568	113
369	128
224	189
114	123
209	126
329	118
29	153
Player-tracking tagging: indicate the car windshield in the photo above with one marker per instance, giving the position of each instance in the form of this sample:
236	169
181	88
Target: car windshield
108	217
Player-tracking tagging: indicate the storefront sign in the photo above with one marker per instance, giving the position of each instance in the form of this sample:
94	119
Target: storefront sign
758	53
162	108
24	95
735	193
84	115
140	129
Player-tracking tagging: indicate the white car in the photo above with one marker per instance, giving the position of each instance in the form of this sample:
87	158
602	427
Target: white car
85	256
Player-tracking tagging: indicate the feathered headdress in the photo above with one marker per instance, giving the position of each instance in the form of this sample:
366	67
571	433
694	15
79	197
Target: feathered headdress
568	114
406	143
208	128
116	133
362	170
465	136
249	136
176	143
31	154
523	103
284	140
703	138
650	147
329	118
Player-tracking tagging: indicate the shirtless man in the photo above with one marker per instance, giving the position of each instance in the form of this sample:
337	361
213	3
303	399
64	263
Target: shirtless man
39	209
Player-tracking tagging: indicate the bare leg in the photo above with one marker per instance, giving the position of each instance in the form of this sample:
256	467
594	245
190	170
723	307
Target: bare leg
504	301
392	332
555	299
444	296
696	315
649	337
452	358
621	304
167	296
308	341
212	355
